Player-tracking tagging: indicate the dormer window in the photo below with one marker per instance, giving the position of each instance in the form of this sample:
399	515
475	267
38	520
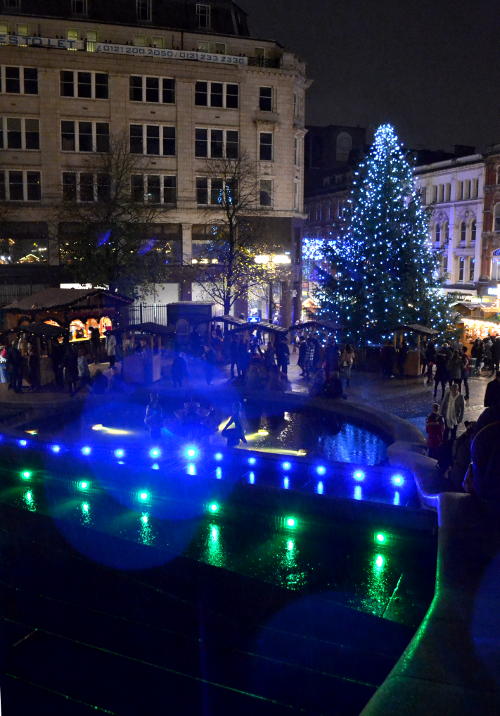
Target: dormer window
79	7
144	10
203	16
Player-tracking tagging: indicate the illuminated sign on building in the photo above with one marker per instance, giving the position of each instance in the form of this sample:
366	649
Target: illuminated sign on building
112	48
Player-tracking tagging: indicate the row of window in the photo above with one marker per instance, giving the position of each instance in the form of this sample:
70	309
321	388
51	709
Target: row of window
467	189
142	88
89	187
152	139
442	232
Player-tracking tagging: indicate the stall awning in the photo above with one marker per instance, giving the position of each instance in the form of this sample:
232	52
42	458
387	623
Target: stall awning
149	327
416	328
263	325
41	330
228	320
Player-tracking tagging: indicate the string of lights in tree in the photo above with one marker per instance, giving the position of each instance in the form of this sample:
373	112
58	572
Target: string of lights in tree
384	272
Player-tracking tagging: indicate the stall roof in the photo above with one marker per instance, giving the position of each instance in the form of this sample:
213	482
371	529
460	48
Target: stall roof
40	330
52	298
416	328
329	325
264	325
149	327
229	320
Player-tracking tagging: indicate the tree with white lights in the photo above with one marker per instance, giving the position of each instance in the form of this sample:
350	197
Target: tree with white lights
383	270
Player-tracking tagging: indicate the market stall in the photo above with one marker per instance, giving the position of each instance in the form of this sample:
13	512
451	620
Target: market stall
476	321
143	344
412	365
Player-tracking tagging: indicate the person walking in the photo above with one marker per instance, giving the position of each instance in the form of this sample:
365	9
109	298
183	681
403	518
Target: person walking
283	356
233	353
465	372
492	394
301	360
209	360
347	358
33	363
331	358
454	368
83	368
387	359
153	419
111	348
430	360
434	427
95	343
477	356
488	355
179	370
441	373
452	410
495	353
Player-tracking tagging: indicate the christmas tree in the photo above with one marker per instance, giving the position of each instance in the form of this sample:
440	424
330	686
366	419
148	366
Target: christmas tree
383	272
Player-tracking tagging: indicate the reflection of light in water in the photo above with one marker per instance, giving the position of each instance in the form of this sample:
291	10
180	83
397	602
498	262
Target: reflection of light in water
98	427
145	531
85	513
377	587
214	550
290	575
396	498
29	501
251	478
358	492
354	444
320	488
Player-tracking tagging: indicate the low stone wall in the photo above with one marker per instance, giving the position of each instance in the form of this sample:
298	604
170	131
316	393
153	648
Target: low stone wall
452	665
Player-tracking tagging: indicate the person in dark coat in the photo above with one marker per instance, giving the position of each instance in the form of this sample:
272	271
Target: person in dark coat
33	361
233	353
495	353
209	360
70	365
282	356
387	359
332	359
441	373
484	481
492	394
15	368
301	360
179	370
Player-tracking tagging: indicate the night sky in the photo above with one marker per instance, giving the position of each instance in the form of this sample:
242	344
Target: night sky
431	67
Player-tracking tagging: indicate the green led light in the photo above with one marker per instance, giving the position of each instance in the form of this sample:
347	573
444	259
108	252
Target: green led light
380	538
143	496
26	474
83	485
291	522
214	507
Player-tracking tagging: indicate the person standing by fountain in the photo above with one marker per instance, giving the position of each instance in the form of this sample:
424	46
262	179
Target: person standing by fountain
153	419
452	410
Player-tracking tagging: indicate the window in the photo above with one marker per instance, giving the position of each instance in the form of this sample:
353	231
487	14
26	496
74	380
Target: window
447	193
152	139
203	16
461	268
91	41
216	94
434	194
216	143
152	89
72	35
473	229
471	269
296	196
296	151
209	190
18	80
437	233
343	146
143	9
266	146
266	192
474	188
496	219
423	195
86	187
460	191
463	232
20	185
17	133
79	7
441	193
466	189
445	262
84	136
91	85
220	48
154	188
446	231
266	99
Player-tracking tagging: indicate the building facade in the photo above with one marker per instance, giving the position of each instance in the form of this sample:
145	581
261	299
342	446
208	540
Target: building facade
490	254
183	82
453	189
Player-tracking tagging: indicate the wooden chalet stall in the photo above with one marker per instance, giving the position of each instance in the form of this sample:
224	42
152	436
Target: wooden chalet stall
412	365
72	309
143	344
476	321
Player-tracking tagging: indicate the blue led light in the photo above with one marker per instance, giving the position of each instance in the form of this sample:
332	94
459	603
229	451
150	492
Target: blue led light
286	465
191	452
218	456
218	473
155	466
286	483
398	480
321	470
320	488
22	443
86	450
359	475
55	448
155	453
119	452
251	478
251	461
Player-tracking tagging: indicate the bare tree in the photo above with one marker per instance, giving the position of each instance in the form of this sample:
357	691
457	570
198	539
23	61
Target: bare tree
108	220
231	271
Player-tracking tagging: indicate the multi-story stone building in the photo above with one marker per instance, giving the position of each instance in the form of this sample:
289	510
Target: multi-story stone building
185	82
454	190
490	255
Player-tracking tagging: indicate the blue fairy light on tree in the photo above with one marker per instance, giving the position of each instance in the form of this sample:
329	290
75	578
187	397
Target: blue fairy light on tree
383	271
